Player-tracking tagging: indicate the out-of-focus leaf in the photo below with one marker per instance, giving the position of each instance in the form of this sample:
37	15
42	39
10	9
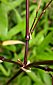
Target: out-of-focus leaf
3	22
11	48
25	80
43	50
30	9
18	28
36	83
45	77
6	73
50	28
33	76
39	38
32	18
17	16
45	55
11	5
47	40
12	42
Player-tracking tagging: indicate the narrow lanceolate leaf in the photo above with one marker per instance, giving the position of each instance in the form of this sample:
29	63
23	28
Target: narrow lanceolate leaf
44	51
9	81
16	29
3	22
11	5
12	42
33	76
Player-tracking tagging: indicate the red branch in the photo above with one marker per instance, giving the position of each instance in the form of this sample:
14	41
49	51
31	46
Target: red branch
45	62
10	61
17	73
27	32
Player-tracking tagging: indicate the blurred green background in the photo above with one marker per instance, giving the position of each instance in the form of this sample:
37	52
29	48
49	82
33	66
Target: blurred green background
12	27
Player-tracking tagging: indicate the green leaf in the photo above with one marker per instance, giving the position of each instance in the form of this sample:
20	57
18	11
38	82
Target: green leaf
47	40
39	38
18	28
45	77
3	22
30	9
17	16
11	5
11	48
32	18
44	51
12	42
25	80
6	73
33	76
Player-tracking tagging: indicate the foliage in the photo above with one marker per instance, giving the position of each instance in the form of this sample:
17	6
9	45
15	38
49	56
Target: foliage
12	27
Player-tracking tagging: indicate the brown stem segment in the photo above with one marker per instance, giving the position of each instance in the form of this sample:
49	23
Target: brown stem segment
44	68
10	61
27	32
32	30
9	81
39	4
45	62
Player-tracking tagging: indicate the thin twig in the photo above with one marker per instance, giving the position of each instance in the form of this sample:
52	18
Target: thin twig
39	4
46	62
31	31
27	32
44	68
10	61
17	73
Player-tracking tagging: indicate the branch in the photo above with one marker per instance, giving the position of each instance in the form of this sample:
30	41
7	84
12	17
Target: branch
39	4
17	73
10	61
44	68
27	32
31	30
39	67
46	62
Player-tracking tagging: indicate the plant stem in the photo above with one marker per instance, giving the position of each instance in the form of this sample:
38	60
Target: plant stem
10	61
39	4
43	11
45	62
27	32
44	68
17	73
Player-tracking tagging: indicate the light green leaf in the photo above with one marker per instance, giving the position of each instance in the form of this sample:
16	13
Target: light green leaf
33	76
12	42
32	18
11	5
25	80
46	41
43	50
11	48
6	73
3	22
18	28
46	78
